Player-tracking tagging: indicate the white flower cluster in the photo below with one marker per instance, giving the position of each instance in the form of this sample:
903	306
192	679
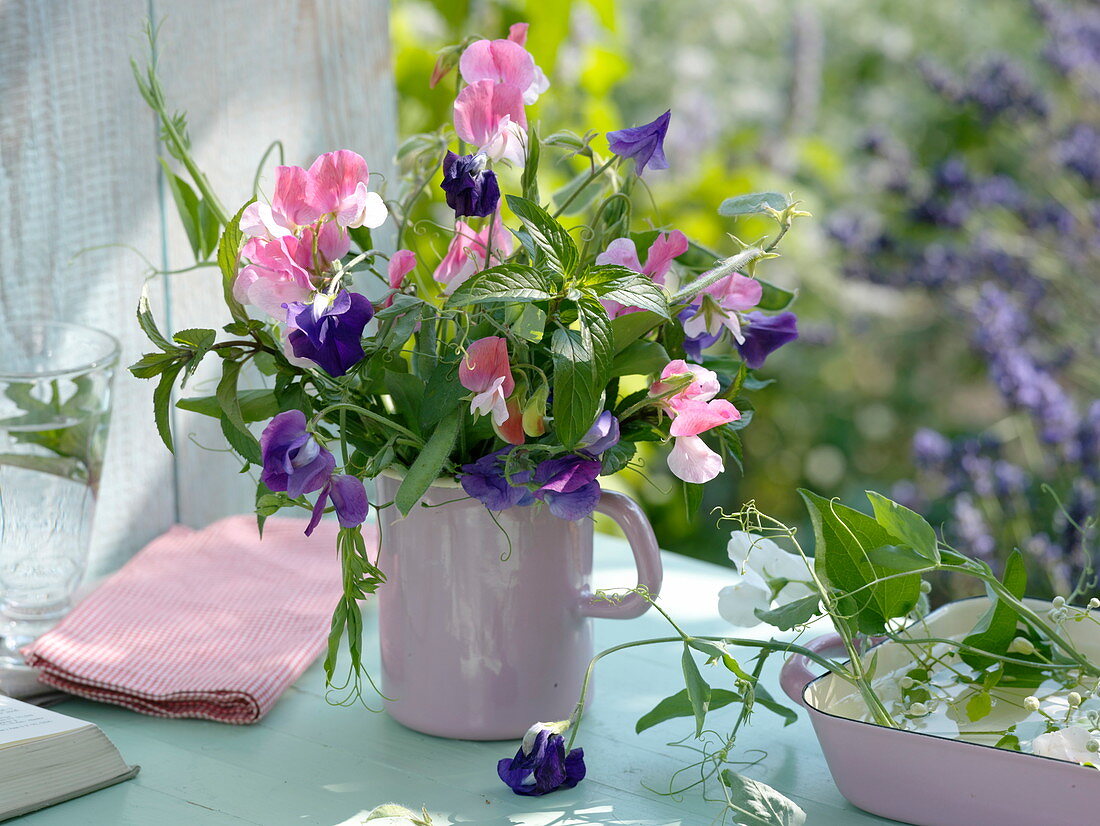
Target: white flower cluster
767	575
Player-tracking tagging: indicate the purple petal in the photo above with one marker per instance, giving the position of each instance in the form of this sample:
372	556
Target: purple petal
577	504
765	334
566	474
645	144
349	497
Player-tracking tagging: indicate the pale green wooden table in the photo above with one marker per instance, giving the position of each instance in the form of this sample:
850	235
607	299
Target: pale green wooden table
311	763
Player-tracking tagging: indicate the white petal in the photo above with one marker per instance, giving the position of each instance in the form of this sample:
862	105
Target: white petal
1066	744
374	212
738	602
691	460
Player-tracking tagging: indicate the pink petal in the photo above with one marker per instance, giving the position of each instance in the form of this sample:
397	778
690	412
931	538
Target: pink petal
293	196
692	417
336	177
517	33
737	292
492	401
511	430
480	108
486	361
665	247
333	242
621	252
499	61
260	221
704	388
401	264
691	460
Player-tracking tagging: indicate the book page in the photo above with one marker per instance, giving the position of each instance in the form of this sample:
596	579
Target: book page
21	721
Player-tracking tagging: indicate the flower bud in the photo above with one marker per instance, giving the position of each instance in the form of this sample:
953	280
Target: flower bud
1092	745
1058	602
906	683
1020	645
917	710
1074	699
534	412
1031	703
925	587
1094	603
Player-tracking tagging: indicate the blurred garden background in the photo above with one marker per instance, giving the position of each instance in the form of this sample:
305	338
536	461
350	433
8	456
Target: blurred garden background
950	153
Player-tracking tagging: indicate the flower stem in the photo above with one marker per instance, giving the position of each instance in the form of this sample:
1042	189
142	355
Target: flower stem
593	175
726	267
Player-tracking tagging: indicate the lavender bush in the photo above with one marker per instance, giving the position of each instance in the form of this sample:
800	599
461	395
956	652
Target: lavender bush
994	215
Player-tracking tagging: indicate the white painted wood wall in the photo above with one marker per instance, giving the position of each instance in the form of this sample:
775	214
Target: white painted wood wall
78	169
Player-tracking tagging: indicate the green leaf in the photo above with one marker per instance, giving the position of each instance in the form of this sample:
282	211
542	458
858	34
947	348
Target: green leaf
1010	741
773	298
198	342
152	364
756	804
149	326
979	705
582	366
208	229
627	287
529	181
229	252
627	329
996	628
793	614
698	692
407	392
679	705
506	283
530	325
906	525
898	558
402	303
548	235
718	652
616	457
233	420
429	463
187	205
255	405
442	393
754	204
162	404
844	538
693	498
642	358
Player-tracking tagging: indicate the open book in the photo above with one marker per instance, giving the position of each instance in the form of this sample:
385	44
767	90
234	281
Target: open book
46	757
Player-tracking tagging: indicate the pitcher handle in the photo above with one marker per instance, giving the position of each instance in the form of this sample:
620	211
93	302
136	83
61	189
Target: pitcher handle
647	556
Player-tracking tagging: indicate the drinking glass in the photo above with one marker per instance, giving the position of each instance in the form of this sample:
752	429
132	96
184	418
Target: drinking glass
55	405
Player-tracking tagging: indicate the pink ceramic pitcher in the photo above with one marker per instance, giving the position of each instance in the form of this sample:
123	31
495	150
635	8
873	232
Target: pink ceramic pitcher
479	641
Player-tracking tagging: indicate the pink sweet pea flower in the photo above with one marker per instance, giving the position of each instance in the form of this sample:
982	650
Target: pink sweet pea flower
505	61
690	458
467	251
401	264
665	247
485	370
279	274
338	186
704	387
733	294
491	117
293	198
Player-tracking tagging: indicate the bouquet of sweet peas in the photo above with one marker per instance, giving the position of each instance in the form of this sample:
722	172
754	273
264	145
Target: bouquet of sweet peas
527	361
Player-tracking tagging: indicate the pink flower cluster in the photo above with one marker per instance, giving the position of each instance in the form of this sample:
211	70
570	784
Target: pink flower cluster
472	251
293	240
694	410
502	79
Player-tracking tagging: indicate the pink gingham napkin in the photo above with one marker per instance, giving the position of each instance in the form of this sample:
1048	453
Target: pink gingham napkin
211	623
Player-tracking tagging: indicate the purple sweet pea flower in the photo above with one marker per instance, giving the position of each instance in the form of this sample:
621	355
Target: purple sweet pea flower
293	460
471	188
331	337
542	766
694	346
645	144
349	498
765	334
484	480
568	486
603	434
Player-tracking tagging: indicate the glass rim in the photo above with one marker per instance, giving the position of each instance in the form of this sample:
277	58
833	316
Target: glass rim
107	358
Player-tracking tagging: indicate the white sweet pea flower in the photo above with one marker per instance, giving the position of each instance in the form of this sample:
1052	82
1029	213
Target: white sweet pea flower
1070	744
738	602
769	576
